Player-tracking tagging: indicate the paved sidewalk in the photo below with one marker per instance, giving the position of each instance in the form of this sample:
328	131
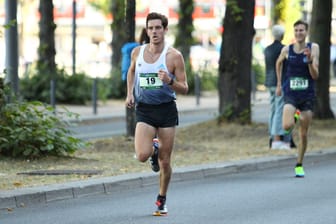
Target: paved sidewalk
116	108
208	100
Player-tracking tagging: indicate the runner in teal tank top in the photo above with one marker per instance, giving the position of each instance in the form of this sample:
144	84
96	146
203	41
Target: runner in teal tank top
299	86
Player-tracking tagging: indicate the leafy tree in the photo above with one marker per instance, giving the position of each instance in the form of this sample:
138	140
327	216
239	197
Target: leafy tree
101	5
288	11
320	31
234	83
276	11
123	30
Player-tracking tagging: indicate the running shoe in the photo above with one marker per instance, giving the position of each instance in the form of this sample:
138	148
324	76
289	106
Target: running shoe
299	172
154	160
161	206
297	115
281	145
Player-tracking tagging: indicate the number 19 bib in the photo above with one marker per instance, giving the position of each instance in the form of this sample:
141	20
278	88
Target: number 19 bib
150	81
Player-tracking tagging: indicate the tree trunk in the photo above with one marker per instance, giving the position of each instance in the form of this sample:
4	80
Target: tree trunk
320	31
46	49
185	28
117	27
130	26
234	83
130	21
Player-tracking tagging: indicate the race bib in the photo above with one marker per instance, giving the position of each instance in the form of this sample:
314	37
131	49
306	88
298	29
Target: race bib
298	83
150	81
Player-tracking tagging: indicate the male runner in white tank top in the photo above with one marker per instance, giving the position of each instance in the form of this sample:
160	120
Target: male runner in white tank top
156	72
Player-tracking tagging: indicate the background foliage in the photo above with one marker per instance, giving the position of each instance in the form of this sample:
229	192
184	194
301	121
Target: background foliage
32	129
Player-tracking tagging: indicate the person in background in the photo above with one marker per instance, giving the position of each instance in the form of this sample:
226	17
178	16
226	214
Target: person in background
126	51
156	73
278	138
298	86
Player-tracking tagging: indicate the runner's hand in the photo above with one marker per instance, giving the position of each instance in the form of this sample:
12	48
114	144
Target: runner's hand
130	101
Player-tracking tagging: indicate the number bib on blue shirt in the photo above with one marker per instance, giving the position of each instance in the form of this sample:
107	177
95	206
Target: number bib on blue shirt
150	81
298	83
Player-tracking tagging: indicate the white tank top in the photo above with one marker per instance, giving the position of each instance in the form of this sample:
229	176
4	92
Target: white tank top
148	88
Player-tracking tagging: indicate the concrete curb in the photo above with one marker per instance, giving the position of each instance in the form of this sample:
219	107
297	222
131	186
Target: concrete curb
109	185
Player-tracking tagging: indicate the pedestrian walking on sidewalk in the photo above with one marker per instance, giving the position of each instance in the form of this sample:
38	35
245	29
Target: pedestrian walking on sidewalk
157	72
299	86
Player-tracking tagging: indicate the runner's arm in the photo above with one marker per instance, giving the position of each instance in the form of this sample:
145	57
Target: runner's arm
278	66
179	84
314	59
130	78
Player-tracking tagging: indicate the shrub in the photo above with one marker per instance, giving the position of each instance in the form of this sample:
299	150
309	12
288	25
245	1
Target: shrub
70	89
77	89
209	80
33	130
259	71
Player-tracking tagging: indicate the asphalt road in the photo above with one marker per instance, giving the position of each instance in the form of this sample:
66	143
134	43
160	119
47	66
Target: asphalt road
266	196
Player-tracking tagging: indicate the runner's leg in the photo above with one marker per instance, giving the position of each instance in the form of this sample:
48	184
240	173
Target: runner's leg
143	141
305	120
166	137
288	121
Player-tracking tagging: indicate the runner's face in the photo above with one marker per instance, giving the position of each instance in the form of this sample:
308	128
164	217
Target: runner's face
300	33
155	31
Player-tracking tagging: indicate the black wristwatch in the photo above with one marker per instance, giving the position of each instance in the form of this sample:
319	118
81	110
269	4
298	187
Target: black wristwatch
171	81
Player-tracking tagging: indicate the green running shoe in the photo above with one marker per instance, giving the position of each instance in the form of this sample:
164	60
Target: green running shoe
289	132
299	172
297	115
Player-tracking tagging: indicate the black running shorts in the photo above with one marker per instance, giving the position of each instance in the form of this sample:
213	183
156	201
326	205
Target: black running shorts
302	104
159	116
